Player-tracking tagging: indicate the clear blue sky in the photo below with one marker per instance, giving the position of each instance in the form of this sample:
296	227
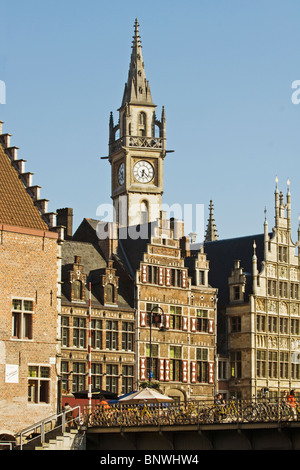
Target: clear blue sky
222	69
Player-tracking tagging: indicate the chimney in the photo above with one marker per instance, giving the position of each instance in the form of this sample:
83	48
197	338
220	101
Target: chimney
65	218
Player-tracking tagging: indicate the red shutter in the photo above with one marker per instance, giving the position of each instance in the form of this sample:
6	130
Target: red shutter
185	323
193	324
183	279
161	370
143	368
193	372
144	273
167	370
211	326
143	319
211	372
184	371
168	276
161	276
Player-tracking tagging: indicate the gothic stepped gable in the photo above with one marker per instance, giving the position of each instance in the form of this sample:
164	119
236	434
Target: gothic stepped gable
20	203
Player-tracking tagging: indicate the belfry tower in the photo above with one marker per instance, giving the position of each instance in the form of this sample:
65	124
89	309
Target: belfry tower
137	148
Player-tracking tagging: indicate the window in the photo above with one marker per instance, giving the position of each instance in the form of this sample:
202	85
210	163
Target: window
236	292
284	365
109	293
22	311
295	326
176	277
79	329
222	369
272	288
261	364
96	334
112	378
294	290
202	320
175	363
273	364
78	376
236	364
96	373
65	377
155	316
273	324
235	324
39	384
154	357
127	336
65	331
175	317
283	289
283	325
282	253
261	323
201	277
202	365
127	379
77	290
112	335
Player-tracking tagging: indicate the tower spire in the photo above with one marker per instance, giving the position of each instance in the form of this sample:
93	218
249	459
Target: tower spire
211	231
137	89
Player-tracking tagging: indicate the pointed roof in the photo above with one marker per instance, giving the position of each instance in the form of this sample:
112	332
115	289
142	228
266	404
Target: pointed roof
16	205
211	231
137	89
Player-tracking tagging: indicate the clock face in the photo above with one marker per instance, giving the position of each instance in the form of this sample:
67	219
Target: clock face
143	171
121	174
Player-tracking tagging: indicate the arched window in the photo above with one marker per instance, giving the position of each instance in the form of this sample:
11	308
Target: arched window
142	124
144	212
77	290
109	293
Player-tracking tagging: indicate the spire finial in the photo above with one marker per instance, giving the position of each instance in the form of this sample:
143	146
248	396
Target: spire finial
211	231
137	89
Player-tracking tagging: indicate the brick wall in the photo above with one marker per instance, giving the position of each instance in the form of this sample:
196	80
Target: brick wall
28	270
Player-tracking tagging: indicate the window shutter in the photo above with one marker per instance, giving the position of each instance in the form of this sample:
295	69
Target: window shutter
167	370
211	372
168	276
211	326
161	276
185	323
183	279
193	372
144	273
193	324
161	370
143	364
167	321
184	371
143	318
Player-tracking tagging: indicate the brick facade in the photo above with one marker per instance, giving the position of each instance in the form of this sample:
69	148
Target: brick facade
28	272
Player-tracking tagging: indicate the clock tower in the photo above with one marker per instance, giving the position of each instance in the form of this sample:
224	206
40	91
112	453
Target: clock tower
137	148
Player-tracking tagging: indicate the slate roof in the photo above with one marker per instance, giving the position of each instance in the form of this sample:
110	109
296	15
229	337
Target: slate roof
94	265
223	253
16	205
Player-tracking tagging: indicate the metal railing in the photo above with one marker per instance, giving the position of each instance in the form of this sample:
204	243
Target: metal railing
55	424
192	412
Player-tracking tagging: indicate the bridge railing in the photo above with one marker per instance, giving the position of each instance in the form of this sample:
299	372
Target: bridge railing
191	412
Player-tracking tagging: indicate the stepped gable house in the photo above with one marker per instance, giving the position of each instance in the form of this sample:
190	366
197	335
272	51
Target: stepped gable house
29	291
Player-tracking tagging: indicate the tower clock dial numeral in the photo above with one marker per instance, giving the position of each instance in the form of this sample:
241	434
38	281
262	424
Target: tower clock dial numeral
121	174
143	171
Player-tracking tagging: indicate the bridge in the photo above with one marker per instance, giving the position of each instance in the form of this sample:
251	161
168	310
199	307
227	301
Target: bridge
236	425
185	426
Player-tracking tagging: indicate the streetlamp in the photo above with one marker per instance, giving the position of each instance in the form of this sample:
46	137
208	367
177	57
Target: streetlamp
162	328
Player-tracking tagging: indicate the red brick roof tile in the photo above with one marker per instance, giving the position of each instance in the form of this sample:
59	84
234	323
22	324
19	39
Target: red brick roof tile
16	205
